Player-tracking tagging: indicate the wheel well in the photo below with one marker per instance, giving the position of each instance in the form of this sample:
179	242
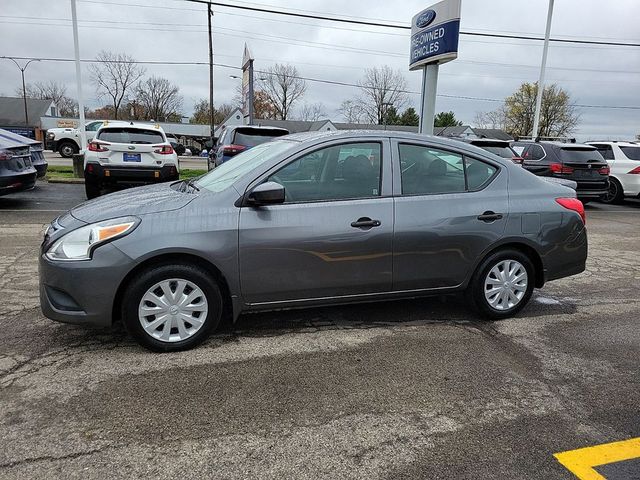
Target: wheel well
174	258
529	252
68	140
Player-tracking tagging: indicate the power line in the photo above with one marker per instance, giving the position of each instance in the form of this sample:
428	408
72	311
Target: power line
379	24
310	79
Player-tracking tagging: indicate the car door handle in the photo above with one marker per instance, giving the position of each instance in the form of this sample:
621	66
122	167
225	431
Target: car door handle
489	216
365	222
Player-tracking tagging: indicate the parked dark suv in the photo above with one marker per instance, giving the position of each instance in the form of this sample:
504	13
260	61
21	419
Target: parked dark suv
236	139
572	161
498	147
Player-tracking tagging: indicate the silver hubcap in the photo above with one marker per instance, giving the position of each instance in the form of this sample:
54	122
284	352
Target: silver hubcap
173	310
506	284
66	150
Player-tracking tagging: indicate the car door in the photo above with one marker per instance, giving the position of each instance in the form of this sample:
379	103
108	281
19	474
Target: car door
331	237
449	209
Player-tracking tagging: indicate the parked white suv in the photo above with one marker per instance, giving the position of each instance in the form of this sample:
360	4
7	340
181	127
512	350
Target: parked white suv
66	141
624	161
129	154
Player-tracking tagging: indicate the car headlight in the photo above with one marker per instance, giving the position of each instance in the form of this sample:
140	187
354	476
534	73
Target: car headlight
51	135
80	243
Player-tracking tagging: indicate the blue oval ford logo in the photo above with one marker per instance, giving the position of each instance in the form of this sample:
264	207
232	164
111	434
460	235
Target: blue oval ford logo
425	18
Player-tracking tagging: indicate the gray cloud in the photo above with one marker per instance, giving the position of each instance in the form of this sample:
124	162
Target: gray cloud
486	68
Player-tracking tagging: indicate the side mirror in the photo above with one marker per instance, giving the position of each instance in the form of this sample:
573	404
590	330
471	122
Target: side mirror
268	193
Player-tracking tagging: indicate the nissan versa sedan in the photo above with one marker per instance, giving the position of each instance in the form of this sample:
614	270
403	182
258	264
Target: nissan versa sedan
312	219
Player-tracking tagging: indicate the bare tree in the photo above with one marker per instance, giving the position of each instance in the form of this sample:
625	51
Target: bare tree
201	112
380	89
54	91
159	99
351	111
493	119
115	76
283	87
312	112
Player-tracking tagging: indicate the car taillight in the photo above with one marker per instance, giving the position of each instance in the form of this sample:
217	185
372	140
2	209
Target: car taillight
635	171
164	149
559	168
575	205
604	170
232	149
518	160
97	147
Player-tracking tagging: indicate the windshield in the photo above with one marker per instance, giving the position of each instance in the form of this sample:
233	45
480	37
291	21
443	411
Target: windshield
226	174
501	151
632	153
130	135
580	155
250	137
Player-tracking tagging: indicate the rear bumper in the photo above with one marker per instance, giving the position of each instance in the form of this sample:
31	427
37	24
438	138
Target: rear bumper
17	182
134	175
592	189
570	258
41	168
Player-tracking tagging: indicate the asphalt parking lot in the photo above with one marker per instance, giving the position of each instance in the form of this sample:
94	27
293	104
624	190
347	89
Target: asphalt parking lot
410	389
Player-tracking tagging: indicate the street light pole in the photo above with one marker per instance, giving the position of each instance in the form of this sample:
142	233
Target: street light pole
211	117
24	87
536	116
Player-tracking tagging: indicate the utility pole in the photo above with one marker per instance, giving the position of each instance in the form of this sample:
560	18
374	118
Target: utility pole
211	120
543	66
76	47
24	88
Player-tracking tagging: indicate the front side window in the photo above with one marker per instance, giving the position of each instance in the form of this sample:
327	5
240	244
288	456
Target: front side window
426	171
347	171
92	127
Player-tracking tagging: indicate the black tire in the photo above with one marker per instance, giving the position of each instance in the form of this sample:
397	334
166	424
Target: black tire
91	189
146	279
68	149
476	288
615	193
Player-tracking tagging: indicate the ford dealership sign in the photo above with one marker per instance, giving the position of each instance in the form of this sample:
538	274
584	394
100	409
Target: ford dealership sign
434	34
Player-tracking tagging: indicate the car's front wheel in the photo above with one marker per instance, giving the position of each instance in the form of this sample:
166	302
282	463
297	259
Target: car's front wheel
68	149
503	284
172	307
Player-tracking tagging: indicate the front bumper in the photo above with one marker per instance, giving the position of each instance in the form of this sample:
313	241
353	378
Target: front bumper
83	292
133	175
17	182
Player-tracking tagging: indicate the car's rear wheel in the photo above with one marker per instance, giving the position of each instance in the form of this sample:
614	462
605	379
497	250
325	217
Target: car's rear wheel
615	193
172	307
68	149
503	284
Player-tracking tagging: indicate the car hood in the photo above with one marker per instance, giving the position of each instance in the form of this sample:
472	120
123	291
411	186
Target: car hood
134	201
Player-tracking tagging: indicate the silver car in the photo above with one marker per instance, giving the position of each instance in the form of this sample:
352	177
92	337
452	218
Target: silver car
312	219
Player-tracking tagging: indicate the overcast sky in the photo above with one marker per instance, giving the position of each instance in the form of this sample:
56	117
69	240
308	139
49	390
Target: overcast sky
175	30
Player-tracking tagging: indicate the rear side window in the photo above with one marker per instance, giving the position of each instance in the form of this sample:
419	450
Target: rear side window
428	171
606	151
632	153
579	155
534	152
250	137
130	135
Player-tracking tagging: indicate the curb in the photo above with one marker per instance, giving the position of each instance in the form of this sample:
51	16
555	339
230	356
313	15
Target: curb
66	180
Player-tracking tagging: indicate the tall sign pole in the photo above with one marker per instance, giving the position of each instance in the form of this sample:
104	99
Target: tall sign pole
543	66
434	41
76	47
247	86
211	118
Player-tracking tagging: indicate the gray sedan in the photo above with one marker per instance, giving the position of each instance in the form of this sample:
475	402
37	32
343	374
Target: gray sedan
312	219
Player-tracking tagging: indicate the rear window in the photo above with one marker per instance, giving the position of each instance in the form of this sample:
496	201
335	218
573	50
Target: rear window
501	151
130	135
580	155
632	153
250	137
